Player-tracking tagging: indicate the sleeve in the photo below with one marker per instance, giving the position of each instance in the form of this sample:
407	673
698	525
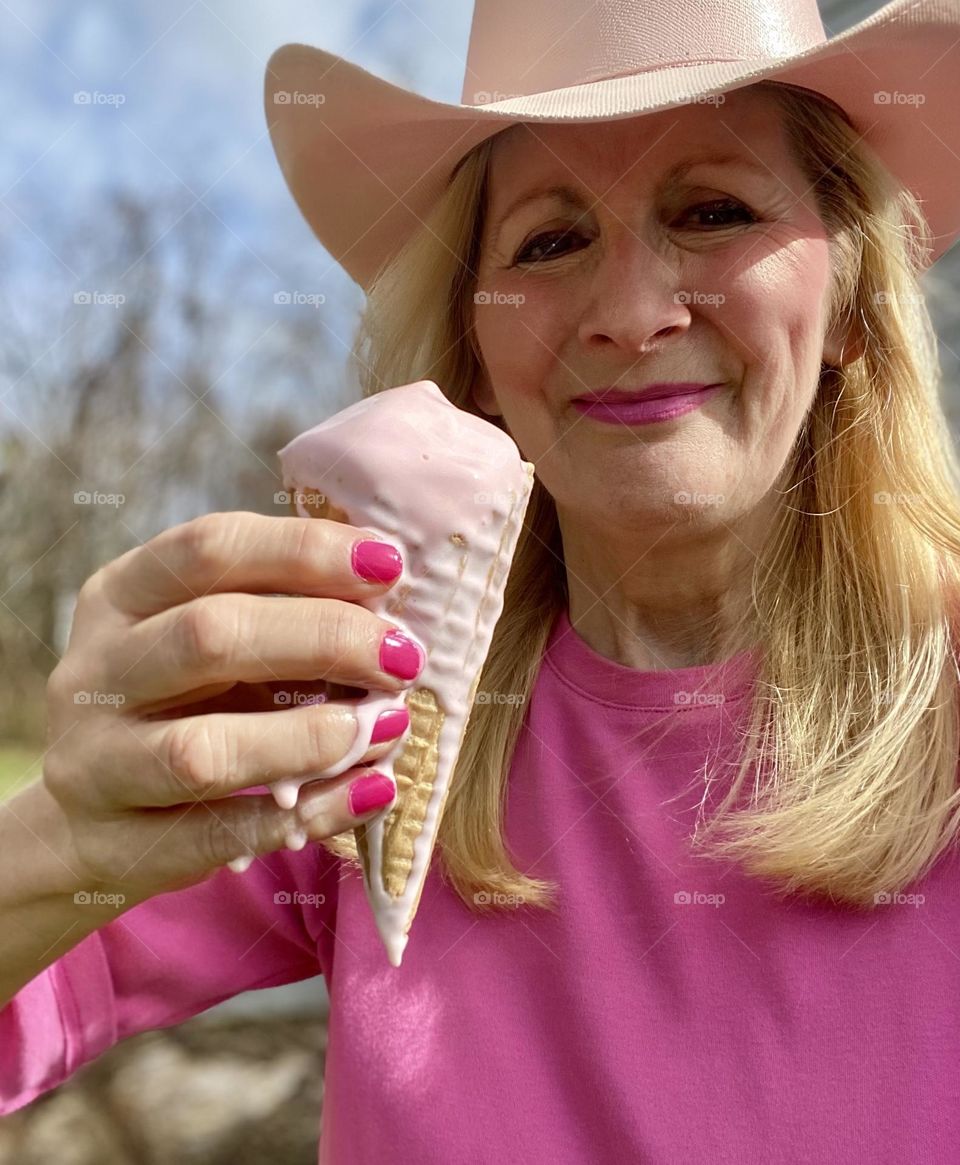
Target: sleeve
167	959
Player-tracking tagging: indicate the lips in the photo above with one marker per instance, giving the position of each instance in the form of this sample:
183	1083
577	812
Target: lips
661	391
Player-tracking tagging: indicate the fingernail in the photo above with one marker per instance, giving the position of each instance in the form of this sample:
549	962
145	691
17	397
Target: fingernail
376	561
400	656
369	793
390	724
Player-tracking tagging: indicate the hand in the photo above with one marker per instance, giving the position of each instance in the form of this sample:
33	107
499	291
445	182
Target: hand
176	651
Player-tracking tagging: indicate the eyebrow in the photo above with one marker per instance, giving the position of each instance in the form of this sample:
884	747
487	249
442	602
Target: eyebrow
571	199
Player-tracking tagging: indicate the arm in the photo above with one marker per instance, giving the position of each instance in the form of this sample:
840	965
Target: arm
40	918
80	978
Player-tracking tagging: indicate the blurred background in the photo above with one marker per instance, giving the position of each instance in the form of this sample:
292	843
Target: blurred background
155	356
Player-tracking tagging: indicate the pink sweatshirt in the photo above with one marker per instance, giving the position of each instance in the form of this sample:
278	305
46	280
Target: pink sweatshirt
670	1011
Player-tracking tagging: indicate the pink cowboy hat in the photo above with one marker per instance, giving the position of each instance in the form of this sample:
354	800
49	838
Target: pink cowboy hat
365	160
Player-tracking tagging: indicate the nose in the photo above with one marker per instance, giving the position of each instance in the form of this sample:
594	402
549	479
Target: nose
634	300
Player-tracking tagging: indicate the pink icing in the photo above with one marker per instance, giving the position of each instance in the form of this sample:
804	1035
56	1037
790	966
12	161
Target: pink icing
449	490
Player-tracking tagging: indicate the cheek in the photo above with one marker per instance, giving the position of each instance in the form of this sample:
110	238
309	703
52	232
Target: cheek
773	320
518	339
777	305
520	362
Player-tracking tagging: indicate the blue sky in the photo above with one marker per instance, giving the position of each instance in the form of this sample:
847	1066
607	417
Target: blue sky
177	111
190	73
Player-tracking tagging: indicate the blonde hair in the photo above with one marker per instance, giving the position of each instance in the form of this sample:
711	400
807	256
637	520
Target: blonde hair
852	727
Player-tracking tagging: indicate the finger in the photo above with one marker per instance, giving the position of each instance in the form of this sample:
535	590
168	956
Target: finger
322	811
242	551
182	843
165	763
233	697
327	808
248	639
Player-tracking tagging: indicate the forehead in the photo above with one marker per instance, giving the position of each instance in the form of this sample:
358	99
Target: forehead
748	124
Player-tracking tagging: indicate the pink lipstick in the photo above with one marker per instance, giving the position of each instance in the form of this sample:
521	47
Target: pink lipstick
646	407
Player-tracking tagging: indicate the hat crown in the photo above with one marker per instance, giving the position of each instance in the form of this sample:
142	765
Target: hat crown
519	47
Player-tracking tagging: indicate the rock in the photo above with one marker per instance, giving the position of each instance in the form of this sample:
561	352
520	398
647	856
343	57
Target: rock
240	1091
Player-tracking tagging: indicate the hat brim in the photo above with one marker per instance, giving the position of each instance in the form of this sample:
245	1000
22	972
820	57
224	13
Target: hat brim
366	159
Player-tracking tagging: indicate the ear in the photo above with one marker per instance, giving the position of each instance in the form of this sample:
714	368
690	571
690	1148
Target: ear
843	345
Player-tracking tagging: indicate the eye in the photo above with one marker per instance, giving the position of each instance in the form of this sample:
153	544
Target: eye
718	207
536	242
725	204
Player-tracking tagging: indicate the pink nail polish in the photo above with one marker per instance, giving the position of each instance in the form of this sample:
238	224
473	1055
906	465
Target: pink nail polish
368	793
400	656
390	724
376	561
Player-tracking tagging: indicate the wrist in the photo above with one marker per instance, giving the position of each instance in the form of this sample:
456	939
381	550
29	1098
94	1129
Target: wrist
36	850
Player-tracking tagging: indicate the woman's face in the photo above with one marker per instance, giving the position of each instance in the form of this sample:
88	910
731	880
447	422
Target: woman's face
717	273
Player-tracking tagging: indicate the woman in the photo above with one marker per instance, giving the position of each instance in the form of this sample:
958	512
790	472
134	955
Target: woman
755	593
